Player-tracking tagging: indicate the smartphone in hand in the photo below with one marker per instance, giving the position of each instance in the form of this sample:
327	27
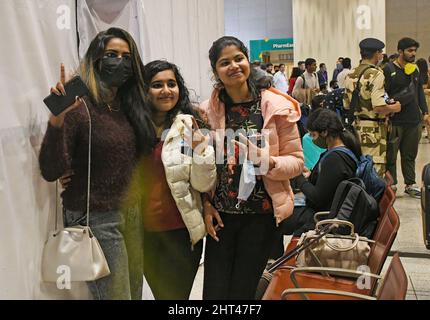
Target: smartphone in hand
74	88
186	149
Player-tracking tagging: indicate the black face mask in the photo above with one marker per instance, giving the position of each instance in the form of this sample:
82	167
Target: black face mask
321	142
115	71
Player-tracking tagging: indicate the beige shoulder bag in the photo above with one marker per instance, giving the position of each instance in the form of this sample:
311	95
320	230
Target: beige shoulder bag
334	251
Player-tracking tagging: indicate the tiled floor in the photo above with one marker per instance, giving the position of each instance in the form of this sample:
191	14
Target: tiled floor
409	239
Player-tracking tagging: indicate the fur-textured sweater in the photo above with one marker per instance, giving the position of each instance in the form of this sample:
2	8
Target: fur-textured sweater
113	157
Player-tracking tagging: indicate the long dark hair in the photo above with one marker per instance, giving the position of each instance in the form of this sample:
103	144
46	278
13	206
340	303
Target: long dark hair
184	104
215	53
327	120
131	94
424	69
295	73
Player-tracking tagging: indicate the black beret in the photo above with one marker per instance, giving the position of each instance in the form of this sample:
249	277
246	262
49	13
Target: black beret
372	44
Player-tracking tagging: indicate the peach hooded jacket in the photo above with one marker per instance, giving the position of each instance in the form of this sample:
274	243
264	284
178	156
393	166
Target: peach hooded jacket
280	115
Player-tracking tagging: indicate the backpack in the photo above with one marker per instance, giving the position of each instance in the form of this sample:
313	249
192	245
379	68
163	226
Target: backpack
348	115
302	123
354	104
334	100
304	80
374	185
352	203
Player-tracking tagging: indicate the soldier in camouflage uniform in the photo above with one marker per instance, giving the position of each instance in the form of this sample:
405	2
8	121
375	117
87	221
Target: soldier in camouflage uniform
371	111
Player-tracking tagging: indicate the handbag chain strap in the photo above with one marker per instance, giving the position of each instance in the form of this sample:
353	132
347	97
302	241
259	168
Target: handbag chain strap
89	174
89	162
56	206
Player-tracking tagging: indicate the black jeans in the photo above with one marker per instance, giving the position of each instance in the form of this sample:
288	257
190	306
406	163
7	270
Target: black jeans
234	265
170	264
406	139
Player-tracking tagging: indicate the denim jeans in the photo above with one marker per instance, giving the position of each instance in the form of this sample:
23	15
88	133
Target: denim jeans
106	228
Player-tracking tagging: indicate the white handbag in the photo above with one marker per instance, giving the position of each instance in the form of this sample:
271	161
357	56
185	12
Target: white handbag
73	253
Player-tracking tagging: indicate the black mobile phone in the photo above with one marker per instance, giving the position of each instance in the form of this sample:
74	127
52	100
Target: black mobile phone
74	88
186	149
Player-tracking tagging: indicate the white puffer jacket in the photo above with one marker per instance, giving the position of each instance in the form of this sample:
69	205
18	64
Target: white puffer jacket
188	176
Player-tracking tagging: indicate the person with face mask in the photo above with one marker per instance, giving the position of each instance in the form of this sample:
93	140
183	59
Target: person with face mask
302	67
338	69
403	82
121	128
365	99
322	75
319	186
333	85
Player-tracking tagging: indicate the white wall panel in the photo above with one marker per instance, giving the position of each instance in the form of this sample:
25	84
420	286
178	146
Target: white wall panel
327	29
258	19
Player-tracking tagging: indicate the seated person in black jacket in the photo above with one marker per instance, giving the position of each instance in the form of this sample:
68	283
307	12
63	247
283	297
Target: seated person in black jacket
319	186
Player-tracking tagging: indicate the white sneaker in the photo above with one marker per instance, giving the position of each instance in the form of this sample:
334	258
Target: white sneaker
414	191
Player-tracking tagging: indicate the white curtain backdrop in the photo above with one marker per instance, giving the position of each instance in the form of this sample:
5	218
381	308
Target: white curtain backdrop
36	41
37	36
98	15
182	31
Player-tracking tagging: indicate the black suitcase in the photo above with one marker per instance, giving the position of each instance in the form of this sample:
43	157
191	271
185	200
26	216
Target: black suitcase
425	205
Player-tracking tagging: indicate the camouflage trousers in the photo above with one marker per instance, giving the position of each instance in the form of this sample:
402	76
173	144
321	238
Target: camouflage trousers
373	137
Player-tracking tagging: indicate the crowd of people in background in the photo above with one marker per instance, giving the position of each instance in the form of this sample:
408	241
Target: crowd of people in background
383	133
